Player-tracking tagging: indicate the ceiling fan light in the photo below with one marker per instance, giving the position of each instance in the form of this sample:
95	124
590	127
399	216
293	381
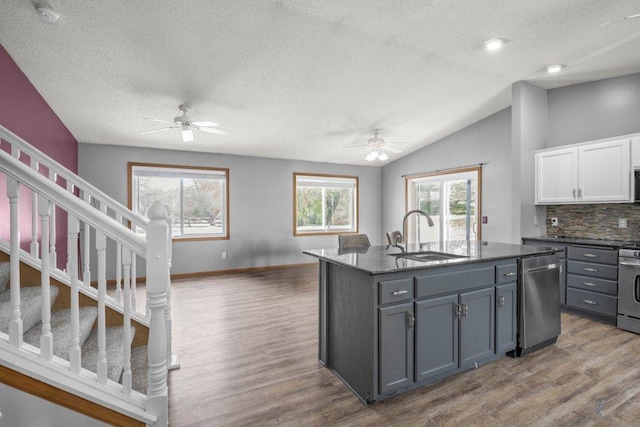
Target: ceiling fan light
187	134
383	156
372	156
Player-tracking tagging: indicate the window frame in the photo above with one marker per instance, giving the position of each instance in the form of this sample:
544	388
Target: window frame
356	205
225	171
452	171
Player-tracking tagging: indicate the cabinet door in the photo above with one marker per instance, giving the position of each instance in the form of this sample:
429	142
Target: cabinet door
436	336
395	346
477	326
506	318
556	176
604	172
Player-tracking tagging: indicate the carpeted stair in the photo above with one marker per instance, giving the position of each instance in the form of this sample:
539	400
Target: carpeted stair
31	310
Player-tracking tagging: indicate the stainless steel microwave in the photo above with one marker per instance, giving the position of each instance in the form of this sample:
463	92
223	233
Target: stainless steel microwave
636	176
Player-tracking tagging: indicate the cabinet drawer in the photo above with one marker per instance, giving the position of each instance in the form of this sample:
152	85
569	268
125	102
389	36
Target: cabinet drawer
592	269
593	284
506	273
395	291
454	281
587	254
591	301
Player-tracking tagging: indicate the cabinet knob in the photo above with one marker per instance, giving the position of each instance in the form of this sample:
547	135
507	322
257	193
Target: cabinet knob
411	320
501	301
400	292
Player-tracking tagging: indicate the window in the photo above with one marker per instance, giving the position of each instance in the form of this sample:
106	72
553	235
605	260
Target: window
197	196
452	199
325	204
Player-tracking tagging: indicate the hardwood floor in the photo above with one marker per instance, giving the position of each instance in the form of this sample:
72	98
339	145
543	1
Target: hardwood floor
248	351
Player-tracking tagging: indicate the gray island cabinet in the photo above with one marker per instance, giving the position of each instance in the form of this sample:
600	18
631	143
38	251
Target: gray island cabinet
389	324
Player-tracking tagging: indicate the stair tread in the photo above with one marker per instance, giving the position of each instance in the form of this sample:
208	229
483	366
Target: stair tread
61	330
114	352
5	271
30	306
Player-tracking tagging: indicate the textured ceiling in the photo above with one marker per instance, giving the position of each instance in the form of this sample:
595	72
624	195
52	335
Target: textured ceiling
301	79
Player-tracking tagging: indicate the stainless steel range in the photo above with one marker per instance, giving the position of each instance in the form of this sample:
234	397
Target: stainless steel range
629	288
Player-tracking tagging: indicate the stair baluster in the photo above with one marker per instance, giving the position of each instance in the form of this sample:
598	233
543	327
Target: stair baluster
86	271
46	339
101	246
75	356
126	348
34	248
52	227
172	361
15	324
133	300
119	266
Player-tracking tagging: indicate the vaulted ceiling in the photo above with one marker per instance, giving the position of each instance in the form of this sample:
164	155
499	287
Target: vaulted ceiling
302	79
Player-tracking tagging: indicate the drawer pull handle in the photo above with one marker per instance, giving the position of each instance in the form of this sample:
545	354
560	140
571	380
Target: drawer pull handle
501	301
402	292
588	301
593	270
591	255
509	274
593	285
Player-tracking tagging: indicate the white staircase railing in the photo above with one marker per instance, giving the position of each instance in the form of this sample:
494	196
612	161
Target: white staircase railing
97	225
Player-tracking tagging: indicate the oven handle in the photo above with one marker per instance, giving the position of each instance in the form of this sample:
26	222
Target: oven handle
630	264
636	289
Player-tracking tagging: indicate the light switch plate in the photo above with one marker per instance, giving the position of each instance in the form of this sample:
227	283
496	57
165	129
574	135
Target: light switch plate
622	222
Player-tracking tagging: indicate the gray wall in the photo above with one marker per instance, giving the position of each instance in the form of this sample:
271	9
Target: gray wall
261	204
486	141
595	110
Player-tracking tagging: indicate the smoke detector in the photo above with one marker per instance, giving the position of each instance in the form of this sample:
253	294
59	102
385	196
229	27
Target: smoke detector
46	13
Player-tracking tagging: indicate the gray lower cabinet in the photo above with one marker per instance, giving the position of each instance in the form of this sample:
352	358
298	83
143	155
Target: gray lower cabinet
477	326
506	318
436	336
396	346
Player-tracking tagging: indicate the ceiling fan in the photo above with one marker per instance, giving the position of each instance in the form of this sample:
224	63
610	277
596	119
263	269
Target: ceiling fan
378	145
185	123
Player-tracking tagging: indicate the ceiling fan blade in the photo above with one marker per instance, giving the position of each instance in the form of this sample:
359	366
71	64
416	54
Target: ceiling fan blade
159	121
391	149
212	130
210	124
158	130
357	146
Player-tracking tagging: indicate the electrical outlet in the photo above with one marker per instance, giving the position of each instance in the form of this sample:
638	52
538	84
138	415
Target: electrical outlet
554	222
622	222
224	255
485	219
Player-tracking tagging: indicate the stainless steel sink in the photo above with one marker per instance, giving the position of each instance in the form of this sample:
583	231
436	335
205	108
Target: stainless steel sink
428	256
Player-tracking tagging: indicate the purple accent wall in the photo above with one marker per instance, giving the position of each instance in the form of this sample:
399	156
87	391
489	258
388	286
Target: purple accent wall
24	112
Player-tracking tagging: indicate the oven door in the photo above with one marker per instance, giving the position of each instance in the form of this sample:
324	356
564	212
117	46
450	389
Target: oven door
629	287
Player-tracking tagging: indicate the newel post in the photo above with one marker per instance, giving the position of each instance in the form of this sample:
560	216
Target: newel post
157	285
173	361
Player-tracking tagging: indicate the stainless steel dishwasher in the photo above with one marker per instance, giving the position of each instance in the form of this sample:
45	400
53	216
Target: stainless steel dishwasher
538	303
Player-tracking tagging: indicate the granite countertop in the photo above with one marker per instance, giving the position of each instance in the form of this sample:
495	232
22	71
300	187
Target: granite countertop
581	241
381	259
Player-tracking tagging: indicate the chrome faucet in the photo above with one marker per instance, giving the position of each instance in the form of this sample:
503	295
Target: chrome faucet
404	228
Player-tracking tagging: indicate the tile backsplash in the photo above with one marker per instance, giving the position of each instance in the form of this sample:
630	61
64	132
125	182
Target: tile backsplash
597	221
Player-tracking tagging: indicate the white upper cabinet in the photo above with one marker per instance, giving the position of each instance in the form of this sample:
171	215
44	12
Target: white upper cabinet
635	152
598	172
557	176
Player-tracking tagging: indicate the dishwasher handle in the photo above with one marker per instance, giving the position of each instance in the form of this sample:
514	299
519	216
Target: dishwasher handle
542	268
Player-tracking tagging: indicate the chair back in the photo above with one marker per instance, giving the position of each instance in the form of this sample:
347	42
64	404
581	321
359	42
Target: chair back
347	241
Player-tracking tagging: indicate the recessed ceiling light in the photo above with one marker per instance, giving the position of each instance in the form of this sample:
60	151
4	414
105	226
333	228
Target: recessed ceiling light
556	68
493	44
46	13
